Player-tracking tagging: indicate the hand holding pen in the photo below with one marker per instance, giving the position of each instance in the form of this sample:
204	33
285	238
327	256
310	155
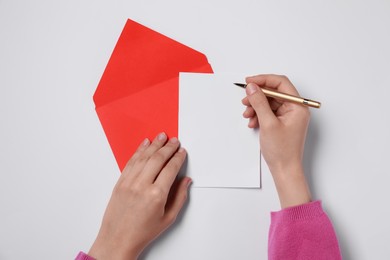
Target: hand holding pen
283	126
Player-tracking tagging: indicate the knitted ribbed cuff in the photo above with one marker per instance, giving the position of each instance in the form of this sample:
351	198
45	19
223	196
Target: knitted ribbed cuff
300	212
84	256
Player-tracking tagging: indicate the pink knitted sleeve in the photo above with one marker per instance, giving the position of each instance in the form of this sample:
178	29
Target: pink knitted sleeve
302	232
84	256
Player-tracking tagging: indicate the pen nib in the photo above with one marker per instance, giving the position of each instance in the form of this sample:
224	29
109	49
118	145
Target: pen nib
240	85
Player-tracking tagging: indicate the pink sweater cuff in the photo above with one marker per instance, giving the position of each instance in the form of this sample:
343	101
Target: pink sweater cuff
302	232
83	256
302	212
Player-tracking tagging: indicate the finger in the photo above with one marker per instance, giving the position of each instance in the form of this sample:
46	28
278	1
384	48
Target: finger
245	101
283	110
177	198
278	82
253	122
158	160
274	104
141	148
291	107
157	143
249	112
143	158
260	104
168	174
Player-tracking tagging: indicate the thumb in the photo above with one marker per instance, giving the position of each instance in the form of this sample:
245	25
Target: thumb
260	104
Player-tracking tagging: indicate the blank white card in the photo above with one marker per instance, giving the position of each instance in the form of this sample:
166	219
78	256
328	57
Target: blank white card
222	150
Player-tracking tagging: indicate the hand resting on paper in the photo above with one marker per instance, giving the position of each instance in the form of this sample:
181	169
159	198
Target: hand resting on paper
145	201
283	127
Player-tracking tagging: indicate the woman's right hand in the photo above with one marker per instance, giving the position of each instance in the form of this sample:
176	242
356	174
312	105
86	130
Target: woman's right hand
283	127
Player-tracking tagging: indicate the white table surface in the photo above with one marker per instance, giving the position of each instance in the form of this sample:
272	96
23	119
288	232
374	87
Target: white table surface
56	167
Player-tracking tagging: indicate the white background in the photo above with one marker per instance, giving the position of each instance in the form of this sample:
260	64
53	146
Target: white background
57	170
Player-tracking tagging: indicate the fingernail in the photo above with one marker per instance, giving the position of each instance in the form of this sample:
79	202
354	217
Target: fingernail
146	142
161	136
251	88
173	140
181	150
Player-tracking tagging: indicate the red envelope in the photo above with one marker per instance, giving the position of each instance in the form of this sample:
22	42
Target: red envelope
138	94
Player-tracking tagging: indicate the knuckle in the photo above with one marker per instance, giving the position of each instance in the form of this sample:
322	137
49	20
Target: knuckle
171	217
129	164
286	80
126	187
156	195
174	166
284	77
132	159
179	156
136	164
141	160
158	157
135	157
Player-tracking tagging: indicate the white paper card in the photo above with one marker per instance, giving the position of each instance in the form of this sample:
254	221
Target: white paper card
222	150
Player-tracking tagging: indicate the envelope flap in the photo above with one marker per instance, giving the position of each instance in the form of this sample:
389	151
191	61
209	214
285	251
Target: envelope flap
142	58
129	120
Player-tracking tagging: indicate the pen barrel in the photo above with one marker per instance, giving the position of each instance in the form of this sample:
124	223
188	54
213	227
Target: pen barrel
311	103
291	98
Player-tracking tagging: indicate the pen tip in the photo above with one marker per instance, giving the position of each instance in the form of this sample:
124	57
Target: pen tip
240	85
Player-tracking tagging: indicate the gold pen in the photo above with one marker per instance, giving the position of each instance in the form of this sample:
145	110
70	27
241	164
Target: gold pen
286	97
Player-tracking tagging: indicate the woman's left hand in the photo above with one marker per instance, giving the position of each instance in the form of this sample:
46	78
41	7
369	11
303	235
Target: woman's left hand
145	201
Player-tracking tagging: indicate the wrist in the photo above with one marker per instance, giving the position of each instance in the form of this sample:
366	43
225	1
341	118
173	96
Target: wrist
102	249
291	185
